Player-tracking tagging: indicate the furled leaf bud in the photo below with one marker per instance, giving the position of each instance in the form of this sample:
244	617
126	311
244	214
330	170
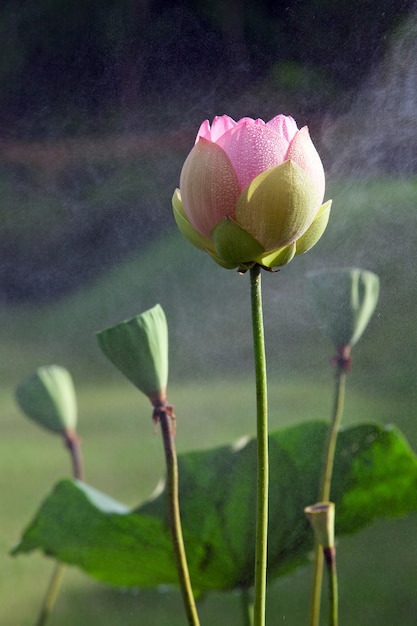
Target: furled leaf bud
48	397
321	518
344	300
138	347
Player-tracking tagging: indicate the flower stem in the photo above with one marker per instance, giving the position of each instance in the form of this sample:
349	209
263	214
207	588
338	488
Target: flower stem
73	444
342	362
262	448
163	414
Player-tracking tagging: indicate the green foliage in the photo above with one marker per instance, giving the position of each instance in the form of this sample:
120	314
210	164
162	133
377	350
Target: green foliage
375	476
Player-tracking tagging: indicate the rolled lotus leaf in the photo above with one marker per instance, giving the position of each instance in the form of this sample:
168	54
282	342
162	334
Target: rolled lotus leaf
344	300
48	398
321	518
138	348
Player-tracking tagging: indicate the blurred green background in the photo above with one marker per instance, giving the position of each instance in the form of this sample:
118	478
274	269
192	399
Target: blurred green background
100	103
212	389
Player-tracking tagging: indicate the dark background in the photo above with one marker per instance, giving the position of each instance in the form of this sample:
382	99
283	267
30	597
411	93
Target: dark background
70	59
84	82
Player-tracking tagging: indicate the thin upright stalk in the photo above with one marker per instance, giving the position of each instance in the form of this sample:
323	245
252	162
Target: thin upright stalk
262	448
247	607
73	444
328	463
51	594
342	362
330	559
164	415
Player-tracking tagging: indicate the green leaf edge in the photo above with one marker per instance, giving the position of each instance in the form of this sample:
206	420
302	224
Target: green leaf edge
210	567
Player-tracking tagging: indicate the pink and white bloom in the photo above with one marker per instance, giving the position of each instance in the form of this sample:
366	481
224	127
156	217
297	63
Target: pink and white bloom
251	192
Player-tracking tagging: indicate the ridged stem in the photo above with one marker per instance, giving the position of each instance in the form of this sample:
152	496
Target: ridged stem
163	414
262	449
330	560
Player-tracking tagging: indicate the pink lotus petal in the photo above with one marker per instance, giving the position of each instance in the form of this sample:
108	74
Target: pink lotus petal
258	121
220	125
252	148
209	187
284	125
204	131
303	152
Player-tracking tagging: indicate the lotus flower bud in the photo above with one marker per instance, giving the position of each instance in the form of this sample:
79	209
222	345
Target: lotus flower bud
139	349
251	192
321	518
344	300
48	397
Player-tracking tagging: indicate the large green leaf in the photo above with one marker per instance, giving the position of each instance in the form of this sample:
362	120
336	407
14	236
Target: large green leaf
375	475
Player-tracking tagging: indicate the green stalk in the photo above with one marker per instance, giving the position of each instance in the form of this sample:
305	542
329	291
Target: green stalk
342	366
51	594
330	559
247	607
73	443
262	448
163	413
339	401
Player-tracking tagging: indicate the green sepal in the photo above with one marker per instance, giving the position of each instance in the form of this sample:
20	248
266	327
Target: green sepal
344	300
138	348
187	229
315	231
233	244
226	265
279	257
48	398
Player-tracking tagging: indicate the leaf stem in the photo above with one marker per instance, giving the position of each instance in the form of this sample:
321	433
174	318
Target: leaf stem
342	362
247	606
262	448
163	413
51	594
73	443
330	559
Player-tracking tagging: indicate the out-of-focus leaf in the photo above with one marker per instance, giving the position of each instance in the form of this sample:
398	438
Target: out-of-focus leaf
48	398
375	475
344	300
